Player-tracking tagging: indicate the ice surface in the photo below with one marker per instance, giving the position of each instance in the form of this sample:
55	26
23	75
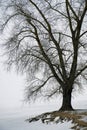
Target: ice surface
16	120
20	124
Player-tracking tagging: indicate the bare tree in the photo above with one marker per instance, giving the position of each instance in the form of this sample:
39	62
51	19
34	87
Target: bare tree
48	43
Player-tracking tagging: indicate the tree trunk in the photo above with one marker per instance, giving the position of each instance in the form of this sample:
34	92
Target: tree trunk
66	105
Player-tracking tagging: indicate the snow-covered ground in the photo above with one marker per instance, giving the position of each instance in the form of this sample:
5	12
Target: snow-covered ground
15	119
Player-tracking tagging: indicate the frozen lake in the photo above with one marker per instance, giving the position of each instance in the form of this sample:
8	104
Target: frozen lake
15	119
20	124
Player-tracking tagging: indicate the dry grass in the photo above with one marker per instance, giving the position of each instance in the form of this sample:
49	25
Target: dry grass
74	116
57	116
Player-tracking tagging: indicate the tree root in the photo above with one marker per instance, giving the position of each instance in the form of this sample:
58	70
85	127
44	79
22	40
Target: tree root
62	116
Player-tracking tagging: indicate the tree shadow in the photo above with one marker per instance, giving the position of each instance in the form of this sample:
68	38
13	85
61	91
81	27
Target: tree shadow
77	118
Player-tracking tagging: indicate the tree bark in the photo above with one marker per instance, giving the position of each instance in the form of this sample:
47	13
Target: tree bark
66	104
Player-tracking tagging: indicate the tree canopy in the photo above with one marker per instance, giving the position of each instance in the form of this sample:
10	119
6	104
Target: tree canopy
48	43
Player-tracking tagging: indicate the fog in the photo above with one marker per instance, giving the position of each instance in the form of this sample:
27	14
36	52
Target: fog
12	88
14	112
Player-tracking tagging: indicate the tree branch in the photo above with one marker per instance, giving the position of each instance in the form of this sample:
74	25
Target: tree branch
80	71
45	55
37	88
82	34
